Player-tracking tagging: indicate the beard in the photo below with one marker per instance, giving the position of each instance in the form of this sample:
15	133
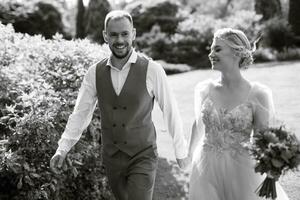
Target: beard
122	55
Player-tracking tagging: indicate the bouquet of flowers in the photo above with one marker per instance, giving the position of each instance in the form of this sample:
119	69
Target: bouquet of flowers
275	151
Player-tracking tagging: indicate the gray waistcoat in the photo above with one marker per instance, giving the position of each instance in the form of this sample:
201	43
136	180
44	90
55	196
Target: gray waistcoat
125	119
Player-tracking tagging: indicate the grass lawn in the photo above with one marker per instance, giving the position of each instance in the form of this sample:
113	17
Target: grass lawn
282	78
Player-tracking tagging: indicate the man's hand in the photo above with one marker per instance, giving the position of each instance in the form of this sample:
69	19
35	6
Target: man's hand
185	162
57	161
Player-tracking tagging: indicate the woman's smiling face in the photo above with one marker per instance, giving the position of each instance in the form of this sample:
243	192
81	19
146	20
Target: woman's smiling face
222	56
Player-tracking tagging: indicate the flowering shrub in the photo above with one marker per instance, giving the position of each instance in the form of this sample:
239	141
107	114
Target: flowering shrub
41	79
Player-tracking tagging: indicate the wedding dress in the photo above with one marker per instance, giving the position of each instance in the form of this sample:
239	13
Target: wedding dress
222	168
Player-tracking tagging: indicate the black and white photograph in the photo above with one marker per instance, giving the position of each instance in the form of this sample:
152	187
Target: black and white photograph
149	100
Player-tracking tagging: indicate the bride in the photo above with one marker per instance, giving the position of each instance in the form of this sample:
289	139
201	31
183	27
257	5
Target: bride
227	112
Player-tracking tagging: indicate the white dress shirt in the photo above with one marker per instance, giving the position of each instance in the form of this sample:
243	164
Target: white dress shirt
157	86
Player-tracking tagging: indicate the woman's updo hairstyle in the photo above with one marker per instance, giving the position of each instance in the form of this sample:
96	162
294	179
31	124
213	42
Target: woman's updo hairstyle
239	42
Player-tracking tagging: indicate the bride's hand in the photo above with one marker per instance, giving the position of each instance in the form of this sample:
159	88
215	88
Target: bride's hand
185	162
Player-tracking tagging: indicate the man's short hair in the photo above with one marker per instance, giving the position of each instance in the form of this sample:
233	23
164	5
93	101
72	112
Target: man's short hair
117	14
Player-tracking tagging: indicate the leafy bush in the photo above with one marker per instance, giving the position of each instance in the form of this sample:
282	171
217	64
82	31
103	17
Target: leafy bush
93	23
220	8
191	43
277	34
174	68
163	14
267	55
32	17
293	17
289	54
264	55
154	42
268	8
42	78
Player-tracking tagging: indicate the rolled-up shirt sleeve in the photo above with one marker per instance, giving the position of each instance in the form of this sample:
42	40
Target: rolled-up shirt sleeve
157	81
83	112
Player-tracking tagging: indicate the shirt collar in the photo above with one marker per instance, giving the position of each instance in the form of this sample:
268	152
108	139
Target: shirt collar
132	59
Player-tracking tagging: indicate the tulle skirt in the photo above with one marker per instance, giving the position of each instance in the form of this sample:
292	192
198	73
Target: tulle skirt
225	176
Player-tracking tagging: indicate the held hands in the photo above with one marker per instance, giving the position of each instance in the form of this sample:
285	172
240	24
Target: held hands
57	161
185	162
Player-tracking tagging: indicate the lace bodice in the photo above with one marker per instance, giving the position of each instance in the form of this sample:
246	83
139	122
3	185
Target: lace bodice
227	130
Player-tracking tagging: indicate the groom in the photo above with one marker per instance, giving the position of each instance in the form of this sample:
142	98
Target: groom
125	86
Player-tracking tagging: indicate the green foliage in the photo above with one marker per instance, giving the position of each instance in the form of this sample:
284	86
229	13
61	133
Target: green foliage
191	43
268	8
41	78
94	19
174	68
264	55
32	17
277	34
163	14
289	54
294	16
219	8
80	30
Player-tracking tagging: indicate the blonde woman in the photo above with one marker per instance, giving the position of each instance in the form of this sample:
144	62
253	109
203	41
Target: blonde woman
228	111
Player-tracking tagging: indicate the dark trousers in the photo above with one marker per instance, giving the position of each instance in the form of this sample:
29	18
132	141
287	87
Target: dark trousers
132	178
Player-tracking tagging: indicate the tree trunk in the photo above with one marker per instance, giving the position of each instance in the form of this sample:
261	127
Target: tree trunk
80	30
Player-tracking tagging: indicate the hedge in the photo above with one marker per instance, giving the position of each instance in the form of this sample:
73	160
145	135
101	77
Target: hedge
40	79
